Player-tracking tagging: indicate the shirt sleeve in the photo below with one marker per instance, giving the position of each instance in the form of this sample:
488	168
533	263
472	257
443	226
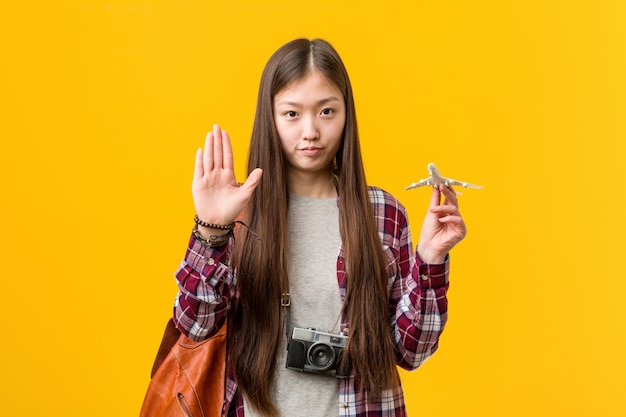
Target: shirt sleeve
205	289
421	312
417	291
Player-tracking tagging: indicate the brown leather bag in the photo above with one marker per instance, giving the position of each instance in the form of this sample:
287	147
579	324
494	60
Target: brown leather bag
187	377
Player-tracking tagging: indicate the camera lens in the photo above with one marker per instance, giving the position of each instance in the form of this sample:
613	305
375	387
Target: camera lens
321	356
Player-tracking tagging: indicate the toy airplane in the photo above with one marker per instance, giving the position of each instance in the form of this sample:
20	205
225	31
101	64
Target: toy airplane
436	179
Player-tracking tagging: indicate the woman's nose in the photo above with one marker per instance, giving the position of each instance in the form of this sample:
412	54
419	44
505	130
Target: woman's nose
310	130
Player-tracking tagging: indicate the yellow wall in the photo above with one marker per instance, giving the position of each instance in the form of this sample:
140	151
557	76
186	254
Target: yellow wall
103	104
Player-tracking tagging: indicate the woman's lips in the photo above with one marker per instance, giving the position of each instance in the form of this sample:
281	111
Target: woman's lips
311	151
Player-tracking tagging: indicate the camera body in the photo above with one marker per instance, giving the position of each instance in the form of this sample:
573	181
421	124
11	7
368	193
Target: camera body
317	352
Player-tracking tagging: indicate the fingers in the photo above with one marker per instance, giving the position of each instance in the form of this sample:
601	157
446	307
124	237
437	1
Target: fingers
446	213
449	194
198	169
218	151
227	151
207	158
450	206
218	147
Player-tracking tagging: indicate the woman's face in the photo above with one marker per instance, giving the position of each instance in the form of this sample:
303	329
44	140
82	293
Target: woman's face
310	115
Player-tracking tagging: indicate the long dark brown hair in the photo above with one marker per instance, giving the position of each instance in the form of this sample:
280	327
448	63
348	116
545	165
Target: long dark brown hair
260	258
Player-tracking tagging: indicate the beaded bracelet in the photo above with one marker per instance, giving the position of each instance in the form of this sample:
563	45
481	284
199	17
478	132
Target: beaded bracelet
213	226
213	241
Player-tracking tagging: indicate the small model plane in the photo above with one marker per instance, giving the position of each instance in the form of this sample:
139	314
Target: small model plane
436	179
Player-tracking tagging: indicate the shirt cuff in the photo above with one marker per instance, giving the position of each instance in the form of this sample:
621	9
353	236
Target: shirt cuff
432	276
210	262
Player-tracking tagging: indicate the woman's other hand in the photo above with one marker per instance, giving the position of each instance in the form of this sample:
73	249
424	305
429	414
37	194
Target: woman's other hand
443	226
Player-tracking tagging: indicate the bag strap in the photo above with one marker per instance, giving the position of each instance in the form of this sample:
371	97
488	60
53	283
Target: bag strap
170	336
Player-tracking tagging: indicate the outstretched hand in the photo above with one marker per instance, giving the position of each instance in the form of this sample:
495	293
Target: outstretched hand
217	196
443	226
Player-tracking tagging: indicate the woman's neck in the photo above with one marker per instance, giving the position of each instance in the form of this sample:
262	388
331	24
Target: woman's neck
313	186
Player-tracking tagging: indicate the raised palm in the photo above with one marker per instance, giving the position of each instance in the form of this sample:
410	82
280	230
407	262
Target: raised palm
217	196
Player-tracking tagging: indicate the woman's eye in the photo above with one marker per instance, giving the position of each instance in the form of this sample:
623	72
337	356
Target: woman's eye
291	113
327	112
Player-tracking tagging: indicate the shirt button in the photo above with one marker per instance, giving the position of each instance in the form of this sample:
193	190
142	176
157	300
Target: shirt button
211	261
425	277
344	405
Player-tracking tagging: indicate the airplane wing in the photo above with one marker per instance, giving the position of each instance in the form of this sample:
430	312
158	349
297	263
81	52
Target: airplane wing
463	184
421	183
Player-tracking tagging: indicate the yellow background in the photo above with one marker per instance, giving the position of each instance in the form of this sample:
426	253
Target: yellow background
103	104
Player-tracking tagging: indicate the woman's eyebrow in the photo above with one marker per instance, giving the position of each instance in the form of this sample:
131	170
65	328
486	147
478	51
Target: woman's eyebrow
319	103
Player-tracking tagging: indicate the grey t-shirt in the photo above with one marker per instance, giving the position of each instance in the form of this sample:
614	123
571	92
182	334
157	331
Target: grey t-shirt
315	302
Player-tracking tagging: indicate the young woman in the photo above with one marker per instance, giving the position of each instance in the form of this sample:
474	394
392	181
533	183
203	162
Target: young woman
314	249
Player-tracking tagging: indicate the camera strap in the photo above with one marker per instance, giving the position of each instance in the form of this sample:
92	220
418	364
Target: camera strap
285	302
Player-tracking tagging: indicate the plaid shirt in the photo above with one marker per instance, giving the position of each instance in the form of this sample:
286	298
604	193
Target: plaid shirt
417	296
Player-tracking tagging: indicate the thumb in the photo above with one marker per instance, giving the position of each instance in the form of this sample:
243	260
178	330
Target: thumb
435	198
253	180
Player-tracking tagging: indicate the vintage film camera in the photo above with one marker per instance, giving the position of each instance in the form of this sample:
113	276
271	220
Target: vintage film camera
317	352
